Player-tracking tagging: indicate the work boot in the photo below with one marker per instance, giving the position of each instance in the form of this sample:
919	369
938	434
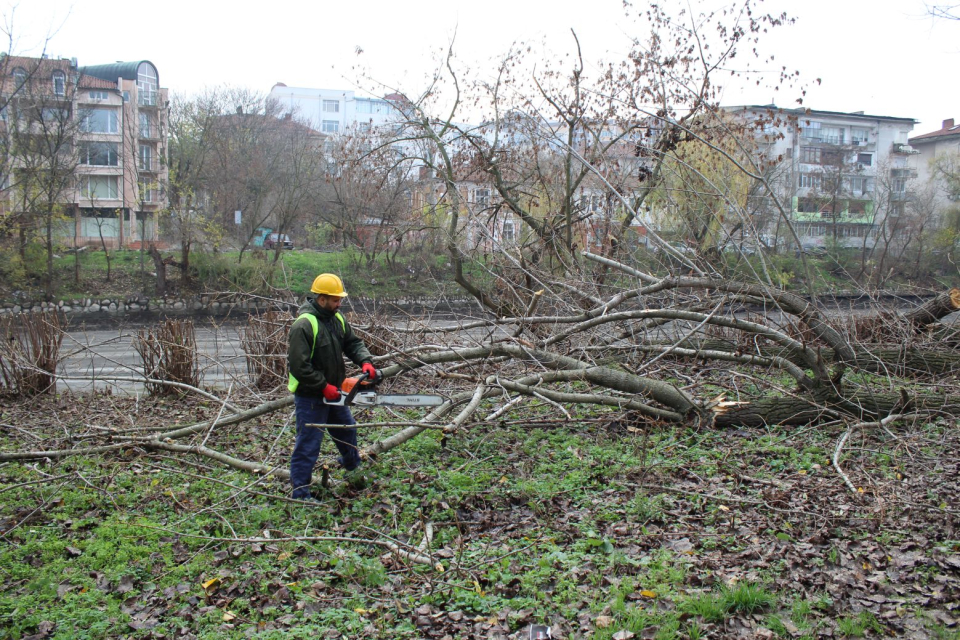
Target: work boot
310	500
356	478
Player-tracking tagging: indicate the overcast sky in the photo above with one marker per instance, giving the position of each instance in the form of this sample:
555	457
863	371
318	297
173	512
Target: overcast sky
884	57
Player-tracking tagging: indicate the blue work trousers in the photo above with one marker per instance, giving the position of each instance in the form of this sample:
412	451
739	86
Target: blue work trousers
307	448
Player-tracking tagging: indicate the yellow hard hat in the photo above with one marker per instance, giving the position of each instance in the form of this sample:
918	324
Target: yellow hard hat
329	285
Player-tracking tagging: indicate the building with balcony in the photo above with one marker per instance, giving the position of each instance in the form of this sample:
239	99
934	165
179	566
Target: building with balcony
943	143
840	174
107	123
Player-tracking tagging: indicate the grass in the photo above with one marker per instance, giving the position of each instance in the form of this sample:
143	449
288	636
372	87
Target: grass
557	521
857	626
410	275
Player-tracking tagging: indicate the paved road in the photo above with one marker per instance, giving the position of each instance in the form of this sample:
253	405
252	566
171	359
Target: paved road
109	353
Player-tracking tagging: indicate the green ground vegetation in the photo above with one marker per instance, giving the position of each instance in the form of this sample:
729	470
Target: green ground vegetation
257	272
407	274
595	526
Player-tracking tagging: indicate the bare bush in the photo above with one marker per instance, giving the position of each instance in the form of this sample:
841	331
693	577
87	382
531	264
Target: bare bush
264	341
169	354
30	352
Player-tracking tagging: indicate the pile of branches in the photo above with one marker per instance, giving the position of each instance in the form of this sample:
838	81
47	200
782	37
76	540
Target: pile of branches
169	354
690	350
264	341
30	352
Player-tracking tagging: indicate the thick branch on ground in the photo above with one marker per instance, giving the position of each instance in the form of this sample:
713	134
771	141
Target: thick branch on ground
934	310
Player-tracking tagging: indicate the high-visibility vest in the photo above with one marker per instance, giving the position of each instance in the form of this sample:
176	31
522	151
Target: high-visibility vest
293	383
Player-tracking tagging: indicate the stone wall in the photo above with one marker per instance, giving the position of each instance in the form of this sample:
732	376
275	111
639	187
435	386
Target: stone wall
220	305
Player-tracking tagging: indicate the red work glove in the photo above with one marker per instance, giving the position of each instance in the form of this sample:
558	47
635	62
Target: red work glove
331	393
370	371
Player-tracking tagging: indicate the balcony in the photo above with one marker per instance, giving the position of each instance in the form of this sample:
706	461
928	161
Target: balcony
904	149
908	174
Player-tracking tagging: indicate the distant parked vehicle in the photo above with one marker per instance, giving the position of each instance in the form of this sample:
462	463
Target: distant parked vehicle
273	240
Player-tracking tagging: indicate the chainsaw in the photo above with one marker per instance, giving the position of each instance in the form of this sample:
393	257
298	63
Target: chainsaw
361	392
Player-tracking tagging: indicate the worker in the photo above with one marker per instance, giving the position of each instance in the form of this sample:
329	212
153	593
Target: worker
319	339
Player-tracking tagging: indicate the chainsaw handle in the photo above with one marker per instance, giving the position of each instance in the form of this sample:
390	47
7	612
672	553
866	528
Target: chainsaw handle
348	400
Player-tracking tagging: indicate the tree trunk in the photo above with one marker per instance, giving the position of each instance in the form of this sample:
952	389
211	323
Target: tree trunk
797	412
941	306
161	268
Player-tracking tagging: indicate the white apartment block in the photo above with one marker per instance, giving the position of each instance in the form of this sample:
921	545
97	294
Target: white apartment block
838	172
335	111
944	141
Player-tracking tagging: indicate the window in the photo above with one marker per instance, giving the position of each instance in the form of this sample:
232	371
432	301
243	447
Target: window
146	130
53	115
147	192
857	207
371	106
328	147
859	135
99	121
331	106
591	203
866	159
810	181
98	96
330	126
810	155
809	205
19	77
99	187
898	185
831	135
145	158
59	83
147	83
481	197
860	185
810	130
364	127
508	231
99	154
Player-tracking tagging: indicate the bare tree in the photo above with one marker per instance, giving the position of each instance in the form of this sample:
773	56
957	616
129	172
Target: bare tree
366	194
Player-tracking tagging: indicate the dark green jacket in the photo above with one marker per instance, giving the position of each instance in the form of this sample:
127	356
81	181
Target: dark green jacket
333	342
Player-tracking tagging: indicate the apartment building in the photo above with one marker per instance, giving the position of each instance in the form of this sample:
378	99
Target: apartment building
945	141
333	111
102	124
840	174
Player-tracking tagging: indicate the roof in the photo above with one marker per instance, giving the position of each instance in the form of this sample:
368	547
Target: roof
949	130
801	111
125	70
90	82
35	64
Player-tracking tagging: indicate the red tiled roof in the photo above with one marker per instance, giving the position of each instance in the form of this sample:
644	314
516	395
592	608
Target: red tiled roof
89	82
42	67
952	130
31	64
